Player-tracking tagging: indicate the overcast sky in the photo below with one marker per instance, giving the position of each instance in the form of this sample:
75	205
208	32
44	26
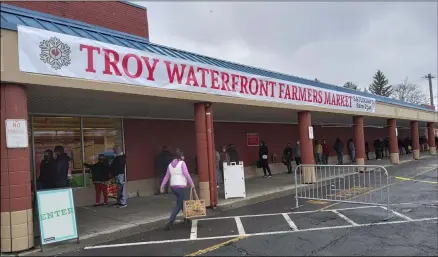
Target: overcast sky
334	42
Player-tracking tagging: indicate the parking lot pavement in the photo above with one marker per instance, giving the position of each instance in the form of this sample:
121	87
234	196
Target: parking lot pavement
316	228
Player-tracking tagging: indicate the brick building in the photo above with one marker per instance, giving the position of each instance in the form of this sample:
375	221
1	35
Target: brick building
84	75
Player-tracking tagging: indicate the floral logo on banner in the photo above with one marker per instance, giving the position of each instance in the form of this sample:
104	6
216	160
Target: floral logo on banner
55	53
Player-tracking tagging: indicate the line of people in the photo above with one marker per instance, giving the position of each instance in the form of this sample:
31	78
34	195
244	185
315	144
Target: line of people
56	167
381	147
321	154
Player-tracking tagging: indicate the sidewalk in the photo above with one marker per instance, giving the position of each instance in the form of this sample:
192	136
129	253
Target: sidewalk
144	213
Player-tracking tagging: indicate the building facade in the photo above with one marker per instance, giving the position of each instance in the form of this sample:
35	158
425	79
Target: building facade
89	84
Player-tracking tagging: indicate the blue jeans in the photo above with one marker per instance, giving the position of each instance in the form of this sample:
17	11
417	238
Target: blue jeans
121	189
179	193
218	175
353	156
318	158
340	158
166	189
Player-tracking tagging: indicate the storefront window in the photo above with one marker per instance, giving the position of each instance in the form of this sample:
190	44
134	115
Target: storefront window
51	132
100	137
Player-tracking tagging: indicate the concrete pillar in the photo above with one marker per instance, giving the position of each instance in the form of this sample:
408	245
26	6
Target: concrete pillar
202	152
415	140
393	144
15	183
306	146
431	130
359	140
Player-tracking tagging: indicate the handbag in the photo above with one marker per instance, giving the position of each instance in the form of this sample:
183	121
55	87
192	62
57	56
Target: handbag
194	208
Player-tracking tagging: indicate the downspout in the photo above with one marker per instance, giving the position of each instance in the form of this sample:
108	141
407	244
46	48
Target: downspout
211	155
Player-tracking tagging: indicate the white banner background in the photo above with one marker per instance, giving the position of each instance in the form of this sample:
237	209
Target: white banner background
46	52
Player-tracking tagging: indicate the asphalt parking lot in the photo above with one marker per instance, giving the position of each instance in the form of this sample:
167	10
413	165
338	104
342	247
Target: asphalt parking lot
316	228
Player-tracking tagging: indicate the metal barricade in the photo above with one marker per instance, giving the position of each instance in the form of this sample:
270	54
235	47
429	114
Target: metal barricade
357	184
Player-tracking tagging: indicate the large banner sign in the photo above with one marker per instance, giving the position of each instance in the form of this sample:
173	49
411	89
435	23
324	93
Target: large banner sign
51	53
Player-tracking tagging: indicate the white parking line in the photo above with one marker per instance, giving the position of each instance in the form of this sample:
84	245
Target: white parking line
435	219
240	226
345	218
194	230
397	213
280	213
290	222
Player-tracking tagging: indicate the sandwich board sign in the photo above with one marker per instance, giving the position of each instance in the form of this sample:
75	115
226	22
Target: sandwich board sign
56	215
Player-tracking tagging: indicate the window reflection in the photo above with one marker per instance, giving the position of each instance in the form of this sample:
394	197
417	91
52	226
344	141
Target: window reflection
100	137
50	132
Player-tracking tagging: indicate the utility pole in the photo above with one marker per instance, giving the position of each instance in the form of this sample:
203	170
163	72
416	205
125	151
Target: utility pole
430	77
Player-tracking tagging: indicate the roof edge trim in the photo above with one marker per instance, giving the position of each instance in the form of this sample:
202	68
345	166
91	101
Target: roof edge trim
133	4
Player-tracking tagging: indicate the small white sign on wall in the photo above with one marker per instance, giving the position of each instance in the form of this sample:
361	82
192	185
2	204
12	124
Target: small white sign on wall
396	132
310	132
16	133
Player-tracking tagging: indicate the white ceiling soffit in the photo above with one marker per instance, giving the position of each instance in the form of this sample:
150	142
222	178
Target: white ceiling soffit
69	101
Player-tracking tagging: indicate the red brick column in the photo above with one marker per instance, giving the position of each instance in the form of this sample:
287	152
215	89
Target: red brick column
359	140
202	152
211	154
431	130
415	140
393	142
16	200
306	146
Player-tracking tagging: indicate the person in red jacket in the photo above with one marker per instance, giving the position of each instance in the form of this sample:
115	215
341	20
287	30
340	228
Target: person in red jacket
325	152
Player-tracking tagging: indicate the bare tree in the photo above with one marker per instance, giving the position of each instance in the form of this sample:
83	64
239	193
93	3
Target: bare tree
410	93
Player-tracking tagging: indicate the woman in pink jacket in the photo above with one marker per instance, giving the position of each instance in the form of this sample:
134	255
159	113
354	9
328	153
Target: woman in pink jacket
179	177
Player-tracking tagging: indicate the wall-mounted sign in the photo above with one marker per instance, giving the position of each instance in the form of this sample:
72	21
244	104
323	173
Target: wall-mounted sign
45	52
252	139
56	214
396	132
16	133
310	132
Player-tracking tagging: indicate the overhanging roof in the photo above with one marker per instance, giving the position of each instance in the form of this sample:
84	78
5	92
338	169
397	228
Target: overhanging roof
12	16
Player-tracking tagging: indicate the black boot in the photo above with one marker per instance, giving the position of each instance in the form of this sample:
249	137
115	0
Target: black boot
168	225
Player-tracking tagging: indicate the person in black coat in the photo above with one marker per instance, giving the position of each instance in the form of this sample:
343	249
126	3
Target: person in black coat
287	157
339	149
407	143
232	152
386	146
62	163
263	159
100	172
47	177
118	173
377	148
367	150
163	159
400	146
